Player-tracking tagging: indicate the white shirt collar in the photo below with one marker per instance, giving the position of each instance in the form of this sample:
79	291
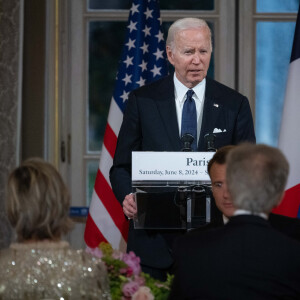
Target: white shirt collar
181	89
225	219
247	212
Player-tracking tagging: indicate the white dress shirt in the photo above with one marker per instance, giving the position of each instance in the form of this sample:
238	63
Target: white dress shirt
247	212
180	97
225	219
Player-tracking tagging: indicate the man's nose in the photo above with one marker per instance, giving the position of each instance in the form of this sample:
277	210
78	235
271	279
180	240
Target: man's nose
225	192
196	58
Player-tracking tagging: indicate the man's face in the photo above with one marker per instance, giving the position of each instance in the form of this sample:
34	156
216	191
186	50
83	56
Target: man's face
219	189
191	55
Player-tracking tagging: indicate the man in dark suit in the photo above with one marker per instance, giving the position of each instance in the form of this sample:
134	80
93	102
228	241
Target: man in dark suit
246	258
217	172
153	121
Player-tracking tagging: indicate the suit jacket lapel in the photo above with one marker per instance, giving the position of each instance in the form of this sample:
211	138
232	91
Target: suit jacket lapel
211	111
167	109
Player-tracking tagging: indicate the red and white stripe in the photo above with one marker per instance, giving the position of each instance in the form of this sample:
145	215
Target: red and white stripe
105	210
289	138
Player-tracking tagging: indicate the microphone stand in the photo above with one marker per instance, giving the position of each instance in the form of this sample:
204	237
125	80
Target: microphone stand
187	140
209	139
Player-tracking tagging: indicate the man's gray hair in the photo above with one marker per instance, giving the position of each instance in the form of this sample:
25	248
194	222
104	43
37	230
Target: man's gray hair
256	177
185	23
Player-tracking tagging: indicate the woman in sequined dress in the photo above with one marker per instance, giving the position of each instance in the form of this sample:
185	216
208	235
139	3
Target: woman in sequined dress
40	265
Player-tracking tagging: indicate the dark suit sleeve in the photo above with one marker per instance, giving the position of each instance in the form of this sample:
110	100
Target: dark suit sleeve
244	128
176	289
129	140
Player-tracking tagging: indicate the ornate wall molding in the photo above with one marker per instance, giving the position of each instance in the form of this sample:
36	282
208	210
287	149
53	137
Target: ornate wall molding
11	24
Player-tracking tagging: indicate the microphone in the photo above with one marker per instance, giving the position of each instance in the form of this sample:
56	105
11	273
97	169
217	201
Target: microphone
209	139
187	140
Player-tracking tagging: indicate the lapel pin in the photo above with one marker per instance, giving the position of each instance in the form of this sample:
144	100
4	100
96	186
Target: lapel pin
216	105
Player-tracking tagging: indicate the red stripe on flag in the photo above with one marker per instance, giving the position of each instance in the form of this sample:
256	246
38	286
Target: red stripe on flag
111	204
93	237
289	206
110	140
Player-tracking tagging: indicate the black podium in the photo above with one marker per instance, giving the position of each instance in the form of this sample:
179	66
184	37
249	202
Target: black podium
172	189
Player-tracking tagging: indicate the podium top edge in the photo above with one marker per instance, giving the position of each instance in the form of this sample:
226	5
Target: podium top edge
169	183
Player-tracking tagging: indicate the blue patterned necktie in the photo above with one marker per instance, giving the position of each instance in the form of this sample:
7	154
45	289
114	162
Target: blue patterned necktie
189	118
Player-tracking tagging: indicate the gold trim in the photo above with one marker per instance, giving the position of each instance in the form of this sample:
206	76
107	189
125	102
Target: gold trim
56	87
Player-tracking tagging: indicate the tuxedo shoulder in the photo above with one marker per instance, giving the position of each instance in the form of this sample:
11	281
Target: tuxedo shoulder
220	89
281	218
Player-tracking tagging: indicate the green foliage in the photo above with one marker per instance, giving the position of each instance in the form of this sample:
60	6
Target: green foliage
160	290
121	274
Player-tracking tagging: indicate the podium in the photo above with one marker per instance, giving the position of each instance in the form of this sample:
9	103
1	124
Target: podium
172	189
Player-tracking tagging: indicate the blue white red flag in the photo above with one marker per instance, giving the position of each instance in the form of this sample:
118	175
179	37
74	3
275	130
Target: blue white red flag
143	61
289	138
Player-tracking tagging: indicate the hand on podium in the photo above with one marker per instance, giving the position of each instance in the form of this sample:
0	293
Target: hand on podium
129	206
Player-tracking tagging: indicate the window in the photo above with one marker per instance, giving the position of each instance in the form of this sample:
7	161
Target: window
273	50
247	56
92	37
105	40
265	44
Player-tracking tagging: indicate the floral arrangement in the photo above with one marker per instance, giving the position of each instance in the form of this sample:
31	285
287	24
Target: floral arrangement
126	279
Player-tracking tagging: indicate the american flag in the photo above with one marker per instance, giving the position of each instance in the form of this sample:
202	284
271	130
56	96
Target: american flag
143	61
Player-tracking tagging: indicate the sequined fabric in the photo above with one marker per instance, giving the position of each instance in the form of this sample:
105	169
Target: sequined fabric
51	270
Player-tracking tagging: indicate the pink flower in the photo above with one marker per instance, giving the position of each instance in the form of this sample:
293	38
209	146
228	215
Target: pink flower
143	293
94	251
123	271
139	280
129	272
130	288
117	255
133	262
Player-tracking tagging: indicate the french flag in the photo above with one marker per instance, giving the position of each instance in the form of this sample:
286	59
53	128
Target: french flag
289	138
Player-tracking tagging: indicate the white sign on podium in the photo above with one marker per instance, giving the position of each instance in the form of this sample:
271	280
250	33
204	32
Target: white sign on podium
171	189
170	166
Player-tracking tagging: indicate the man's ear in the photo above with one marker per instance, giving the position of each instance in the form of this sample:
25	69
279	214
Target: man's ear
170	55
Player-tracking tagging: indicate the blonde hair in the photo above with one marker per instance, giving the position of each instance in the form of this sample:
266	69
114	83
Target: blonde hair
38	201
